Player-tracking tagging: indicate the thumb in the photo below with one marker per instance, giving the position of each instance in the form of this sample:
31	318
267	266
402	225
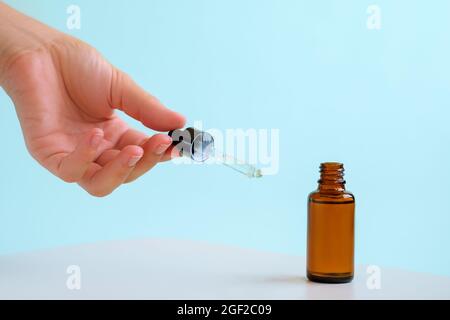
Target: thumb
127	96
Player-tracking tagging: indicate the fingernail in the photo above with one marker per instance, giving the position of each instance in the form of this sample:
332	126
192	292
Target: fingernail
95	140
134	160
161	149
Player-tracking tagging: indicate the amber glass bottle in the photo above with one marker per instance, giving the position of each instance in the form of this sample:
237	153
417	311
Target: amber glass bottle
331	216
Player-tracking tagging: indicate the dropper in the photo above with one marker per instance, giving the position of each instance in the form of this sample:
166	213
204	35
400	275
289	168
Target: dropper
239	166
199	146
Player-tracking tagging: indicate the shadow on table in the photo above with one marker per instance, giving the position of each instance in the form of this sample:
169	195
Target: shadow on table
291	286
285	280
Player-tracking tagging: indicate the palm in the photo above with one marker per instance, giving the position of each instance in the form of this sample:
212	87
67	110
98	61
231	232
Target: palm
67	91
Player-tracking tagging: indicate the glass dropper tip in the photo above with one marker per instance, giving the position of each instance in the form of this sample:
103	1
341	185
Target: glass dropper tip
241	167
258	174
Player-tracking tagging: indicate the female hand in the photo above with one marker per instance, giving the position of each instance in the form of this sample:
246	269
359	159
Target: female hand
65	94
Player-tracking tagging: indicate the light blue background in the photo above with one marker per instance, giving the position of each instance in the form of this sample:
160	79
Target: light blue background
379	101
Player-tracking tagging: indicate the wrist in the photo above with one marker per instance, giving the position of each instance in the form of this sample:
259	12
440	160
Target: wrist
19	34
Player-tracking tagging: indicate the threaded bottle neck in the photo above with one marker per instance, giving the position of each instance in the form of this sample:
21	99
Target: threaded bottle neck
331	178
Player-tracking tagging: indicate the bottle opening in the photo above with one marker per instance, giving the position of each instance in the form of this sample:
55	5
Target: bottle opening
332	177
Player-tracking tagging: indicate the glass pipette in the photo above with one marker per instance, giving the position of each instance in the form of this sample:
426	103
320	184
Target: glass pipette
240	166
199	146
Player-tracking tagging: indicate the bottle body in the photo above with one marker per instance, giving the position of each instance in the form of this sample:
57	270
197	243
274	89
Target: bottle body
331	216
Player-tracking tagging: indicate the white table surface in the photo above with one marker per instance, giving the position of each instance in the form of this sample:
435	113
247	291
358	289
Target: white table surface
170	269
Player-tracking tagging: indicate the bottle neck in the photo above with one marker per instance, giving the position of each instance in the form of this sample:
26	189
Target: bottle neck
331	178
